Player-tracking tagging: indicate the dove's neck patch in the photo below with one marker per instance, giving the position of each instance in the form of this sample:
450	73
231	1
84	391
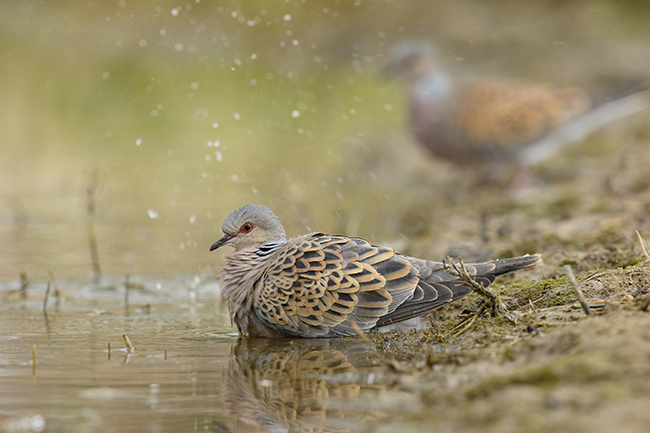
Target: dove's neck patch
268	248
434	86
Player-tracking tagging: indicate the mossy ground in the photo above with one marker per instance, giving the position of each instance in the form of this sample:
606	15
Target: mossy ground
550	367
547	366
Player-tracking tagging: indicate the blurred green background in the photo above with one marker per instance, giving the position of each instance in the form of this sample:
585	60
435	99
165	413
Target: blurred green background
183	111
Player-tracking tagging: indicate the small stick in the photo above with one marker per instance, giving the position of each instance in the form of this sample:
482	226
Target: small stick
165	355
109	351
460	270
90	226
47	295
359	332
644	247
57	291
129	346
581	297
34	360
24	283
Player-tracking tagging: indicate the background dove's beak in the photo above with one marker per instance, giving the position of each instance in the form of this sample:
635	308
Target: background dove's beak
221	242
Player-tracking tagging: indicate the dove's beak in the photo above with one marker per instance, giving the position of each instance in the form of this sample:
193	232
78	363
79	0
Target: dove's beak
221	242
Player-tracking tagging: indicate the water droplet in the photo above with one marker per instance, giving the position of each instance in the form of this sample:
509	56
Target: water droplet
236	115
152	214
158	286
218	155
142	43
295	43
207	157
215	125
287	17
295	114
138	142
106	75
178	47
388	107
194	85
193	219
235	177
176	11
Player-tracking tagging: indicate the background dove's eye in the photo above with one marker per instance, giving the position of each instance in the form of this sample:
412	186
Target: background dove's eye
246	228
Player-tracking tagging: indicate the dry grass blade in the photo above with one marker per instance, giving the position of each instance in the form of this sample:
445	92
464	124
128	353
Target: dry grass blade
359	332
90	227
644	246
576	289
47	295
129	346
57	292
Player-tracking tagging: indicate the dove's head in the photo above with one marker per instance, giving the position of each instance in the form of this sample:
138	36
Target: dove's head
250	226
413	60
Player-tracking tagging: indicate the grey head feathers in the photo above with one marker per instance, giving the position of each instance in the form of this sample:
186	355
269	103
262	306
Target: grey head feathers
250	226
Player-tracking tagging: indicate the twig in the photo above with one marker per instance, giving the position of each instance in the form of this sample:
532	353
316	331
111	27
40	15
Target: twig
90	226
359	332
460	270
129	346
581	297
34	360
644	246
57	292
109	350
47	295
24	284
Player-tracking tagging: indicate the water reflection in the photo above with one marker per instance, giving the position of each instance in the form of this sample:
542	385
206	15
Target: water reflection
303	385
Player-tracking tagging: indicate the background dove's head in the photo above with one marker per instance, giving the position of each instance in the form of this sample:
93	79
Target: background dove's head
250	226
412	60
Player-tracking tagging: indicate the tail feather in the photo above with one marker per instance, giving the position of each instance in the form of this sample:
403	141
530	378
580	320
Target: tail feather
438	287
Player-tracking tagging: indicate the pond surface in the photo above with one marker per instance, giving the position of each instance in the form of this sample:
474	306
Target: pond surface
188	372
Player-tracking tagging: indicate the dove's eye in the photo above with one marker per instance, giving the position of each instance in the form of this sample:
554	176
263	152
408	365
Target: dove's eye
246	228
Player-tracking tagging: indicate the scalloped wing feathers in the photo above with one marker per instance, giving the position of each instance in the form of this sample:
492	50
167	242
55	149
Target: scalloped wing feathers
320	285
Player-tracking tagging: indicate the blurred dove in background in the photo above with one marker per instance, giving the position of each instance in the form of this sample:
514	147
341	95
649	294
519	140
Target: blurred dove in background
493	122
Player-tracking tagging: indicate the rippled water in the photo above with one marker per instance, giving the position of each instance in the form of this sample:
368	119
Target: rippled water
189	371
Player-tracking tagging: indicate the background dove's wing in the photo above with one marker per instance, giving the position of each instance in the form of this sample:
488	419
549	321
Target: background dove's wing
506	115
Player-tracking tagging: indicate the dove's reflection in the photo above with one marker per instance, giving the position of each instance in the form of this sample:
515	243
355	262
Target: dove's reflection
302	385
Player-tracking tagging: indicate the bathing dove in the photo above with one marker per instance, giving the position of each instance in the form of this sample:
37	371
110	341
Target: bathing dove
320	285
498	120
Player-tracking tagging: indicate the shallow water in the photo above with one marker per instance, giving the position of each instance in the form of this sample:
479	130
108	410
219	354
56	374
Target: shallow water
188	372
